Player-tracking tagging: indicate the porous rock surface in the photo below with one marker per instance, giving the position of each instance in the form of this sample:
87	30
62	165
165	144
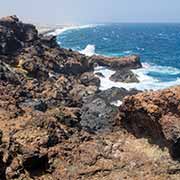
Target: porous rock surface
155	115
43	89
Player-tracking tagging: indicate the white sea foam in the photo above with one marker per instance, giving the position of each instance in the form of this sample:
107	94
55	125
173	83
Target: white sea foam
146	82
89	50
62	30
161	69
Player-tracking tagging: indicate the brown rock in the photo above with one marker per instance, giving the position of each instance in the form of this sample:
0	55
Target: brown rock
130	62
156	115
43	112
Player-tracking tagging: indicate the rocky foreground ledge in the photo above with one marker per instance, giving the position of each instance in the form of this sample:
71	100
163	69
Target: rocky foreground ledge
55	123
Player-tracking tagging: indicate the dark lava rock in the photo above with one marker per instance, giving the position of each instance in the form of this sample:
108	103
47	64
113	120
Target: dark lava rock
114	94
125	76
98	113
14	34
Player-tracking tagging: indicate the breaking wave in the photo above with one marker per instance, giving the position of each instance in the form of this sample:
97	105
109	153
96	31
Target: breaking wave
89	50
151	77
62	30
147	82
158	75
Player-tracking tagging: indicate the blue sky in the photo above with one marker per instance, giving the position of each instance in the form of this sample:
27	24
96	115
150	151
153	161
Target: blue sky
92	11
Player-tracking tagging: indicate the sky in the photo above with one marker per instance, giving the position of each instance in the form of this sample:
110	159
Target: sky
92	11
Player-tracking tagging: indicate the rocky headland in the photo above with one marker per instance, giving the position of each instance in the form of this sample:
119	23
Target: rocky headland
56	123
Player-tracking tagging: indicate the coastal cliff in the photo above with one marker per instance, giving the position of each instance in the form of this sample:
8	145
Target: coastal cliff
55	122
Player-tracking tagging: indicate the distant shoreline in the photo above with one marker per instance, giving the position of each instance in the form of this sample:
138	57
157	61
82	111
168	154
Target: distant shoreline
45	29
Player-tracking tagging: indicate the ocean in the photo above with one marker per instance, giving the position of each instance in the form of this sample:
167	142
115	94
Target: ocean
158	46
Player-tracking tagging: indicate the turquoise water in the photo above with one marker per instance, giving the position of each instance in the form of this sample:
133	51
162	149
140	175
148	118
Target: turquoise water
157	44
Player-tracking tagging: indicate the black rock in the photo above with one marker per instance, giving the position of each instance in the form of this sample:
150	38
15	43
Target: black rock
114	94
124	75
98	115
14	35
98	112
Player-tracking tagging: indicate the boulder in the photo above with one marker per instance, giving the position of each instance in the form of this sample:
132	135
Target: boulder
99	113
117	63
125	76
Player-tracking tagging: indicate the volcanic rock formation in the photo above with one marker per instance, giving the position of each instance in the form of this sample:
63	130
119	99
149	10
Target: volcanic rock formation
56	124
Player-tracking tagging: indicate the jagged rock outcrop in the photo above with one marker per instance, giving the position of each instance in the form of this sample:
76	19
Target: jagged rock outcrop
130	62
49	98
14	35
36	78
155	115
37	56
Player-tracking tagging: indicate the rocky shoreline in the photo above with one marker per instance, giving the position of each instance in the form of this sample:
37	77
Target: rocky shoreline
55	122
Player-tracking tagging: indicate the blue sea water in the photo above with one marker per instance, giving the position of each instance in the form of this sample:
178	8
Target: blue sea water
157	44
